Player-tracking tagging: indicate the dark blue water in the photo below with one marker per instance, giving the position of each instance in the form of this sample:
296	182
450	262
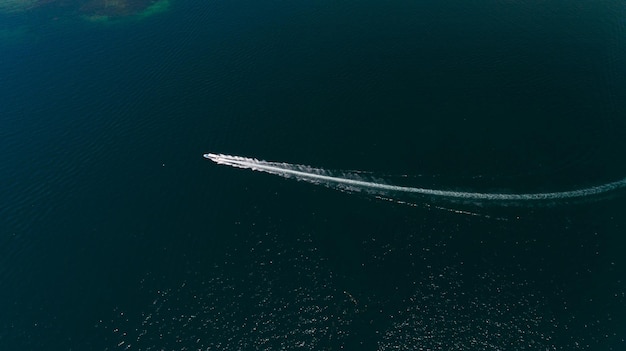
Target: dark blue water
116	234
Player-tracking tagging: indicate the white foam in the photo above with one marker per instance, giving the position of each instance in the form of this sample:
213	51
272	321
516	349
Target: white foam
317	175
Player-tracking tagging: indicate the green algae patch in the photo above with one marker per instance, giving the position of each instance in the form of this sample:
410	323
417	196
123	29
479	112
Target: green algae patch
14	6
158	7
104	12
98	11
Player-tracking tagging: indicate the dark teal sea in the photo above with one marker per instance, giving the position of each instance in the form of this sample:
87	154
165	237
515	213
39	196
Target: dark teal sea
116	234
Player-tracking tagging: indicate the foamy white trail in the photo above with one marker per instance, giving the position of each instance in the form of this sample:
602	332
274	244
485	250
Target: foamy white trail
321	176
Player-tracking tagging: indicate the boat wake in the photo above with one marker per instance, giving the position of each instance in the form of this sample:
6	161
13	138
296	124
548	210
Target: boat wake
353	182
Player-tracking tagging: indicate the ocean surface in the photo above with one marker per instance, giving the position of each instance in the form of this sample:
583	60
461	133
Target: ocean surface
116	234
